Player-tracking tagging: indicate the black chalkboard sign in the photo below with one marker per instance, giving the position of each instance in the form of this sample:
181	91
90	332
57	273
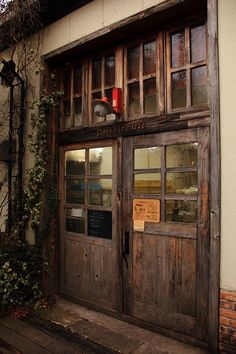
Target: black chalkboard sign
100	224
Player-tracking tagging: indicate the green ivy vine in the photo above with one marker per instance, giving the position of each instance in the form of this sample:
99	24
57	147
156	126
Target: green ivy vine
21	264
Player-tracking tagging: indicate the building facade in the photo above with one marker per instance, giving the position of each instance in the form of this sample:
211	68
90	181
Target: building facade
145	181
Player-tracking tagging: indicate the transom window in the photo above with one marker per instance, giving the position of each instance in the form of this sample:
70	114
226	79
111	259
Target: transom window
156	77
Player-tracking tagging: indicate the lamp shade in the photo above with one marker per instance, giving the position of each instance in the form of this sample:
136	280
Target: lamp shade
101	107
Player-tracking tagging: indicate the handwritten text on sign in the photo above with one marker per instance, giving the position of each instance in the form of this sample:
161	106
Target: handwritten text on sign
147	210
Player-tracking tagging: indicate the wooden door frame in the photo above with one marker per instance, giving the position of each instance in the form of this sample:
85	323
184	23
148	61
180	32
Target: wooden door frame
215	180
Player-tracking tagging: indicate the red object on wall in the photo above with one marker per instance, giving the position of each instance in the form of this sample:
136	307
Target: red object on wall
116	100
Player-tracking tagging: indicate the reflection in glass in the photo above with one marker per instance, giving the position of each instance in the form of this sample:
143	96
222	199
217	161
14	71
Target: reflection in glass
78	80
199	86
198	43
110	70
100	161
75	191
149	93
133	63
78	111
100	192
75	162
147	183
181	183
66	111
96	73
181	210
181	155
149	58
97	119
147	158
134	103
178	89
75	221
178	49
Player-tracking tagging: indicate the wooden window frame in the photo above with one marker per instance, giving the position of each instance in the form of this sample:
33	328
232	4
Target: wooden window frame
158	75
187	67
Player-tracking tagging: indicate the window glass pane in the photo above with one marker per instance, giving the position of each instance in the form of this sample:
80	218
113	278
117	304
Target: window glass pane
75	162
181	183
198	43
178	49
181	155
66	111
134	103
199	86
149	93
149	58
147	183
108	94
147	158
67	81
178	89
96	73
110	70
75	222
97	119
181	210
100	192
78	111
100	161
78	80
133	63
75	191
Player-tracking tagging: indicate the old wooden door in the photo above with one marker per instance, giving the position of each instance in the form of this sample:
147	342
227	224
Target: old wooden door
166	263
88	223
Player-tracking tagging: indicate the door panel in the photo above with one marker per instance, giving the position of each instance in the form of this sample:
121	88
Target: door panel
166	270
89	247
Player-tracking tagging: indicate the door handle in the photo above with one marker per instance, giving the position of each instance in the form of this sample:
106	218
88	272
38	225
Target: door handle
126	243
126	247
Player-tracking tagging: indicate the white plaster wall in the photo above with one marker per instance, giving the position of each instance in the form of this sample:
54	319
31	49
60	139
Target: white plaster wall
90	18
227	60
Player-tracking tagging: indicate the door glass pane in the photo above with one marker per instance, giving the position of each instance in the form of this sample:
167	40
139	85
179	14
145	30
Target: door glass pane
100	192
78	111
198	43
199	86
75	191
147	158
75	162
181	155
96	73
73	223
134	103
133	62
100	161
178	49
78	80
150	98
181	210
181	183
149	58
178	89
147	183
110	70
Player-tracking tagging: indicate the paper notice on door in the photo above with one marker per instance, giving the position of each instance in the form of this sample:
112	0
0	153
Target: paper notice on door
147	210
78	213
139	225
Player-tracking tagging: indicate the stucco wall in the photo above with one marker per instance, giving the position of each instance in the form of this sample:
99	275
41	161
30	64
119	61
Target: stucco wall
227	59
91	18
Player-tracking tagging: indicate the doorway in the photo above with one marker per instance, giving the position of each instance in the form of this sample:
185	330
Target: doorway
152	264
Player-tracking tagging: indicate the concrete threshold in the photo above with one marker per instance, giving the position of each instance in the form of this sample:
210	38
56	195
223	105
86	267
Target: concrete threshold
106	334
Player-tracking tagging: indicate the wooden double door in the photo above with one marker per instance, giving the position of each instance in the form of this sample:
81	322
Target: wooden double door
135	228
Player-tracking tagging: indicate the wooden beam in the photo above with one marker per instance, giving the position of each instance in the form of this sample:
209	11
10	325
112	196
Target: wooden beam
215	168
